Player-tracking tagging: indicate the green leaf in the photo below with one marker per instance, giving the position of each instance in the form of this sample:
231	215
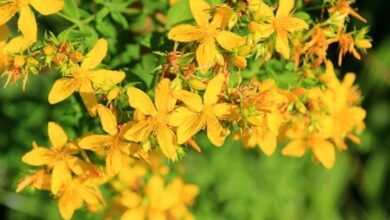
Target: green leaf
118	17
71	10
179	13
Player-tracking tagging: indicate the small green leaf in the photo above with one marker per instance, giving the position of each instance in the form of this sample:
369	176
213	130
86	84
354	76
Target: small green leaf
71	10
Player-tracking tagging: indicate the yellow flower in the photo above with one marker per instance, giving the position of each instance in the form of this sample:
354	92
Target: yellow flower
163	201
265	23
207	33
59	157
26	23
85	79
262	117
113	144
73	195
263	132
316	140
153	118
342	99
191	119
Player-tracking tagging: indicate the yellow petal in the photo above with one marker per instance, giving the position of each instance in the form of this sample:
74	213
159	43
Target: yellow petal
295	24
225	111
214	89
200	11
163	99
215	132
267	142
229	40
17	45
221	18
90	196
7	11
205	54
57	135
96	142
134	214
60	175
77	165
192	100
140	131
114	161
139	100
106	78
285	7
282	45
263	11
4	32
62	89
189	128
263	31
325	153
295	148
47	7
27	25
68	203
38	156
96	55
180	116
107	120
88	96
185	33
167	141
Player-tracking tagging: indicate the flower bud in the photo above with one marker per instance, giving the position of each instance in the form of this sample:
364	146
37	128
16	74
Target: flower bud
76	56
19	61
113	94
32	61
239	61
48	50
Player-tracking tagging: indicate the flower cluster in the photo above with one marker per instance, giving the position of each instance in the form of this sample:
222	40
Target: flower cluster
256	71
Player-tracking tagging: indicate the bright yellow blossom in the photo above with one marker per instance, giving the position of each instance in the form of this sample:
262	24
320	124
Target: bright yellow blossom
316	140
207	33
342	102
164	202
59	157
197	113
113	144
263	117
26	23
153	117
266	23
86	80
73	195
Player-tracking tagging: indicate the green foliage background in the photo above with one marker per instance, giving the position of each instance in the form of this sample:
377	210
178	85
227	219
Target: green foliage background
236	183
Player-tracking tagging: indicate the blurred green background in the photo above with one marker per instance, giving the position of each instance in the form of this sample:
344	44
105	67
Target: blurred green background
235	183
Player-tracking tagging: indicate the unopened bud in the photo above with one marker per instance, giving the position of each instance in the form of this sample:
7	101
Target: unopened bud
239	61
48	50
76	56
32	61
113	94
19	61
219	59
